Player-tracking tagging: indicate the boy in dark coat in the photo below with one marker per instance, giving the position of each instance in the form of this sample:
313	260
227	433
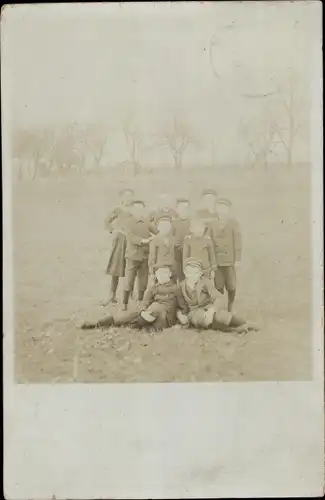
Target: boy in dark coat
115	223
157	311
181	229
227	240
199	246
202	306
162	246
139	232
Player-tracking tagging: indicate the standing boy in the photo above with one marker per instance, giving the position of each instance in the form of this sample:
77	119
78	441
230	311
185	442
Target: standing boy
138	235
181	229
157	311
162	247
199	246
202	306
227	240
116	223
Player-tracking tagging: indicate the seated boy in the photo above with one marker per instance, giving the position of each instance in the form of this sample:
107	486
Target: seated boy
202	306
157	311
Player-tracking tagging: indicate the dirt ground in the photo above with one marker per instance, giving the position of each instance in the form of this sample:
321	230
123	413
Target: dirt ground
60	255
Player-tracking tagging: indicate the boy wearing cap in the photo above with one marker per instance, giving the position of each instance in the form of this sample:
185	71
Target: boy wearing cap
199	246
116	223
157	311
227	240
202	306
162	246
164	208
181	229
139	232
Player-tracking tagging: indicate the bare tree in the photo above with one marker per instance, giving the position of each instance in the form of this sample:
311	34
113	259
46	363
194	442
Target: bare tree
289	101
177	138
92	139
261	139
66	152
33	150
21	149
283	124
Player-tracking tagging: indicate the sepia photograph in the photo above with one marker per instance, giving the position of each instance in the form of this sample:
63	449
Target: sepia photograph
163	252
161	196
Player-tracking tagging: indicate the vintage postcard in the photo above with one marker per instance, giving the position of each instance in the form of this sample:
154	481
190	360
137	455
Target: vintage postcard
163	250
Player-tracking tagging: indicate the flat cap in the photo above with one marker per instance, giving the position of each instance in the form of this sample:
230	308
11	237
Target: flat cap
224	201
138	202
182	200
164	217
162	266
191	261
213	192
125	190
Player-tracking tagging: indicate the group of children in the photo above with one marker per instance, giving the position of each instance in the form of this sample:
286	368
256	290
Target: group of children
183	262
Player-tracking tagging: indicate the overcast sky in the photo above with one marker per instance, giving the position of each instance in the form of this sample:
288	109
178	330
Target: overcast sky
88	62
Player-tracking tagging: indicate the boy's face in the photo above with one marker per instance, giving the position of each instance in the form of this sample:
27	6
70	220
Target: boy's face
208	201
163	275
127	197
183	209
192	273
164	227
138	210
197	227
223	212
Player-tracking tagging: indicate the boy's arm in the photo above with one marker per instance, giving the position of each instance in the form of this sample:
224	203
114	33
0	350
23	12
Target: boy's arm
148	297
181	302
109	219
152	228
214	295
212	255
182	308
152	259
173	228
133	238
238	241
186	249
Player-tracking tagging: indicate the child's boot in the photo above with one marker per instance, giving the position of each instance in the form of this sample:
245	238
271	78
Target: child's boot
231	299
126	296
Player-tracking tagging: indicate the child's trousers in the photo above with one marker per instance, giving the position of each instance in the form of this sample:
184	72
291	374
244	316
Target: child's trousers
136	268
225	277
197	317
134	319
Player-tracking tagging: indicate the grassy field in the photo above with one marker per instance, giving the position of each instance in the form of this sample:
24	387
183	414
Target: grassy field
60	255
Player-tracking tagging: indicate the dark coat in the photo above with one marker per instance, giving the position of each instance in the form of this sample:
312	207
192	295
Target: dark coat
162	252
116	222
200	248
136	231
227	241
